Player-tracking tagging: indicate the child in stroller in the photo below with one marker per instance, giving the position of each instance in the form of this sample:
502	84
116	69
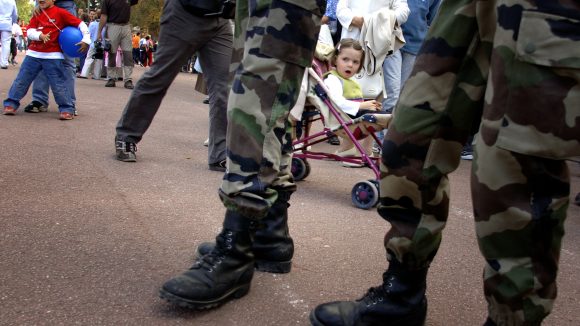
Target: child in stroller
337	102
347	93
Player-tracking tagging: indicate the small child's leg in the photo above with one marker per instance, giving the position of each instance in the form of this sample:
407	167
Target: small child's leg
55	73
29	69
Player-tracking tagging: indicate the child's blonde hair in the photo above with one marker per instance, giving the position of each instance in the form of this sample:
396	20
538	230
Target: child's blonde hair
347	43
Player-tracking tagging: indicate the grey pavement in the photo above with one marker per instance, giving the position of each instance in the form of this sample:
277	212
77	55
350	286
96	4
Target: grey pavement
88	240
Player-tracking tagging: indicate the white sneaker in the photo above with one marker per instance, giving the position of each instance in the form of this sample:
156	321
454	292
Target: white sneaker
206	143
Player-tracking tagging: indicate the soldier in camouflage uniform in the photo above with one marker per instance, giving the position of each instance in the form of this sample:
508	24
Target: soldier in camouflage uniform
274	41
513	68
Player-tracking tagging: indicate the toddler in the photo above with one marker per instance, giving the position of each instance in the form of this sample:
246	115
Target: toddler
44	54
346	92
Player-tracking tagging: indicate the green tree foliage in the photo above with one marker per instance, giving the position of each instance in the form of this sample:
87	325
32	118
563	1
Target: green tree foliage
146	15
25	8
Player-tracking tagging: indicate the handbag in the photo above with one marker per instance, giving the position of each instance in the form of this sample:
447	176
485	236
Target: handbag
372	86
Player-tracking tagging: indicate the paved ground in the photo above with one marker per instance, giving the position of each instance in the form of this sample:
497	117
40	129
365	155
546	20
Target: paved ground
88	240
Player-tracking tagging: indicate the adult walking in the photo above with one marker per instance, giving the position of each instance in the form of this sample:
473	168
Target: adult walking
41	85
511	65
275	41
8	16
182	34
115	14
397	66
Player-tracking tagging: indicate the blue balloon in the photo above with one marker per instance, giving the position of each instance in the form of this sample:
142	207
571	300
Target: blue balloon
67	39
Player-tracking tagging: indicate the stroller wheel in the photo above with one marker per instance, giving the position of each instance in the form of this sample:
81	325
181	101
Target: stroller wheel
300	168
365	194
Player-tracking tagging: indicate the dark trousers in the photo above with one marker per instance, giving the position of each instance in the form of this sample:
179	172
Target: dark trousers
180	37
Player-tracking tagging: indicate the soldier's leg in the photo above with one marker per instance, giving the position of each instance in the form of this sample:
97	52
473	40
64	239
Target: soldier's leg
421	148
520	205
265	87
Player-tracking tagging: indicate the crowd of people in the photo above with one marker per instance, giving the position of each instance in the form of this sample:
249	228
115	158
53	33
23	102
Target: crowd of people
448	70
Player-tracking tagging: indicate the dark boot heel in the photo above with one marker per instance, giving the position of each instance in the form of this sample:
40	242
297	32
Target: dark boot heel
268	266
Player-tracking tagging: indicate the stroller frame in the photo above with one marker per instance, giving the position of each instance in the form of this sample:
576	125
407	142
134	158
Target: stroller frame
364	194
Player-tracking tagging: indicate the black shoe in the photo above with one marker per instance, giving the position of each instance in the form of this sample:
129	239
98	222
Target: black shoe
128	84
110	83
206	100
334	140
224	273
219	166
35	107
272	245
467	155
126	151
399	301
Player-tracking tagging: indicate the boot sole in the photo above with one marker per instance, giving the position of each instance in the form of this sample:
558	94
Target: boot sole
236	293
410	320
278	267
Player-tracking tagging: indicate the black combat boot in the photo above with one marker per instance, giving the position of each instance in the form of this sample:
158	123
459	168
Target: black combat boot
225	272
272	245
399	301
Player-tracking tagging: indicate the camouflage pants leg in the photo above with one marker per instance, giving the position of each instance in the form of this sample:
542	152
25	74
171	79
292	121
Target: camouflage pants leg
440	104
520	205
265	86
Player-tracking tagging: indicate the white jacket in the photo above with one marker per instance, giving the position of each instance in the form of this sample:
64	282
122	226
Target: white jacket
381	35
8	14
347	9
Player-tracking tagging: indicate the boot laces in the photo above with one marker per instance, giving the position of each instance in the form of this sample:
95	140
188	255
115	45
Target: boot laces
214	258
373	296
378	294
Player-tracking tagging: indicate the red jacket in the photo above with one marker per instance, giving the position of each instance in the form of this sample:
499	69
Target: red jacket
42	24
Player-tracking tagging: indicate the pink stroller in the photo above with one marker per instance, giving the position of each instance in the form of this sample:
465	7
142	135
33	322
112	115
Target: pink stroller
320	107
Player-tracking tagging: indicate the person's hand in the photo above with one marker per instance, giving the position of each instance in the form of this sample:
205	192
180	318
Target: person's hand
372	105
357	21
44	37
84	47
324	20
36	10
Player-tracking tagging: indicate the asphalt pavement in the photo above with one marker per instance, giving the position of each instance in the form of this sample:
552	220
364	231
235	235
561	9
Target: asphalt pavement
88	240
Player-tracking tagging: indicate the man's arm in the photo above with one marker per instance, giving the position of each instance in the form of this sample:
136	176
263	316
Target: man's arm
102	23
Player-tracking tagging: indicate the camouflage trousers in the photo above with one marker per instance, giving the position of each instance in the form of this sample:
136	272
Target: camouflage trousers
274	41
473	71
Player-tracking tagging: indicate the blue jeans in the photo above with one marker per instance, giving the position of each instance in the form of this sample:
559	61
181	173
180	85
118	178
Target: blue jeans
53	70
40	87
396	70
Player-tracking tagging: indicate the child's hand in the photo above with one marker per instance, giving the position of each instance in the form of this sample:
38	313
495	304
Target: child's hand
84	47
45	37
372	105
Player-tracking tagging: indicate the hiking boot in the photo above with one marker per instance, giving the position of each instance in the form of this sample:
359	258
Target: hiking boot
126	151
272	245
399	301
128	84
8	110
110	83
224	273
35	107
218	166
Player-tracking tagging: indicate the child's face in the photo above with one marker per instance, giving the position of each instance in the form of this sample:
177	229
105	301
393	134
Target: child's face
45	3
348	62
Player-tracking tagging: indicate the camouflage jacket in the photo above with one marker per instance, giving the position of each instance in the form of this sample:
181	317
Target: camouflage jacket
513	65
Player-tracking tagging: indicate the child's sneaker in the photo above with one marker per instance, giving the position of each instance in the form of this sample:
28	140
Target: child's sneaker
35	107
8	110
65	116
